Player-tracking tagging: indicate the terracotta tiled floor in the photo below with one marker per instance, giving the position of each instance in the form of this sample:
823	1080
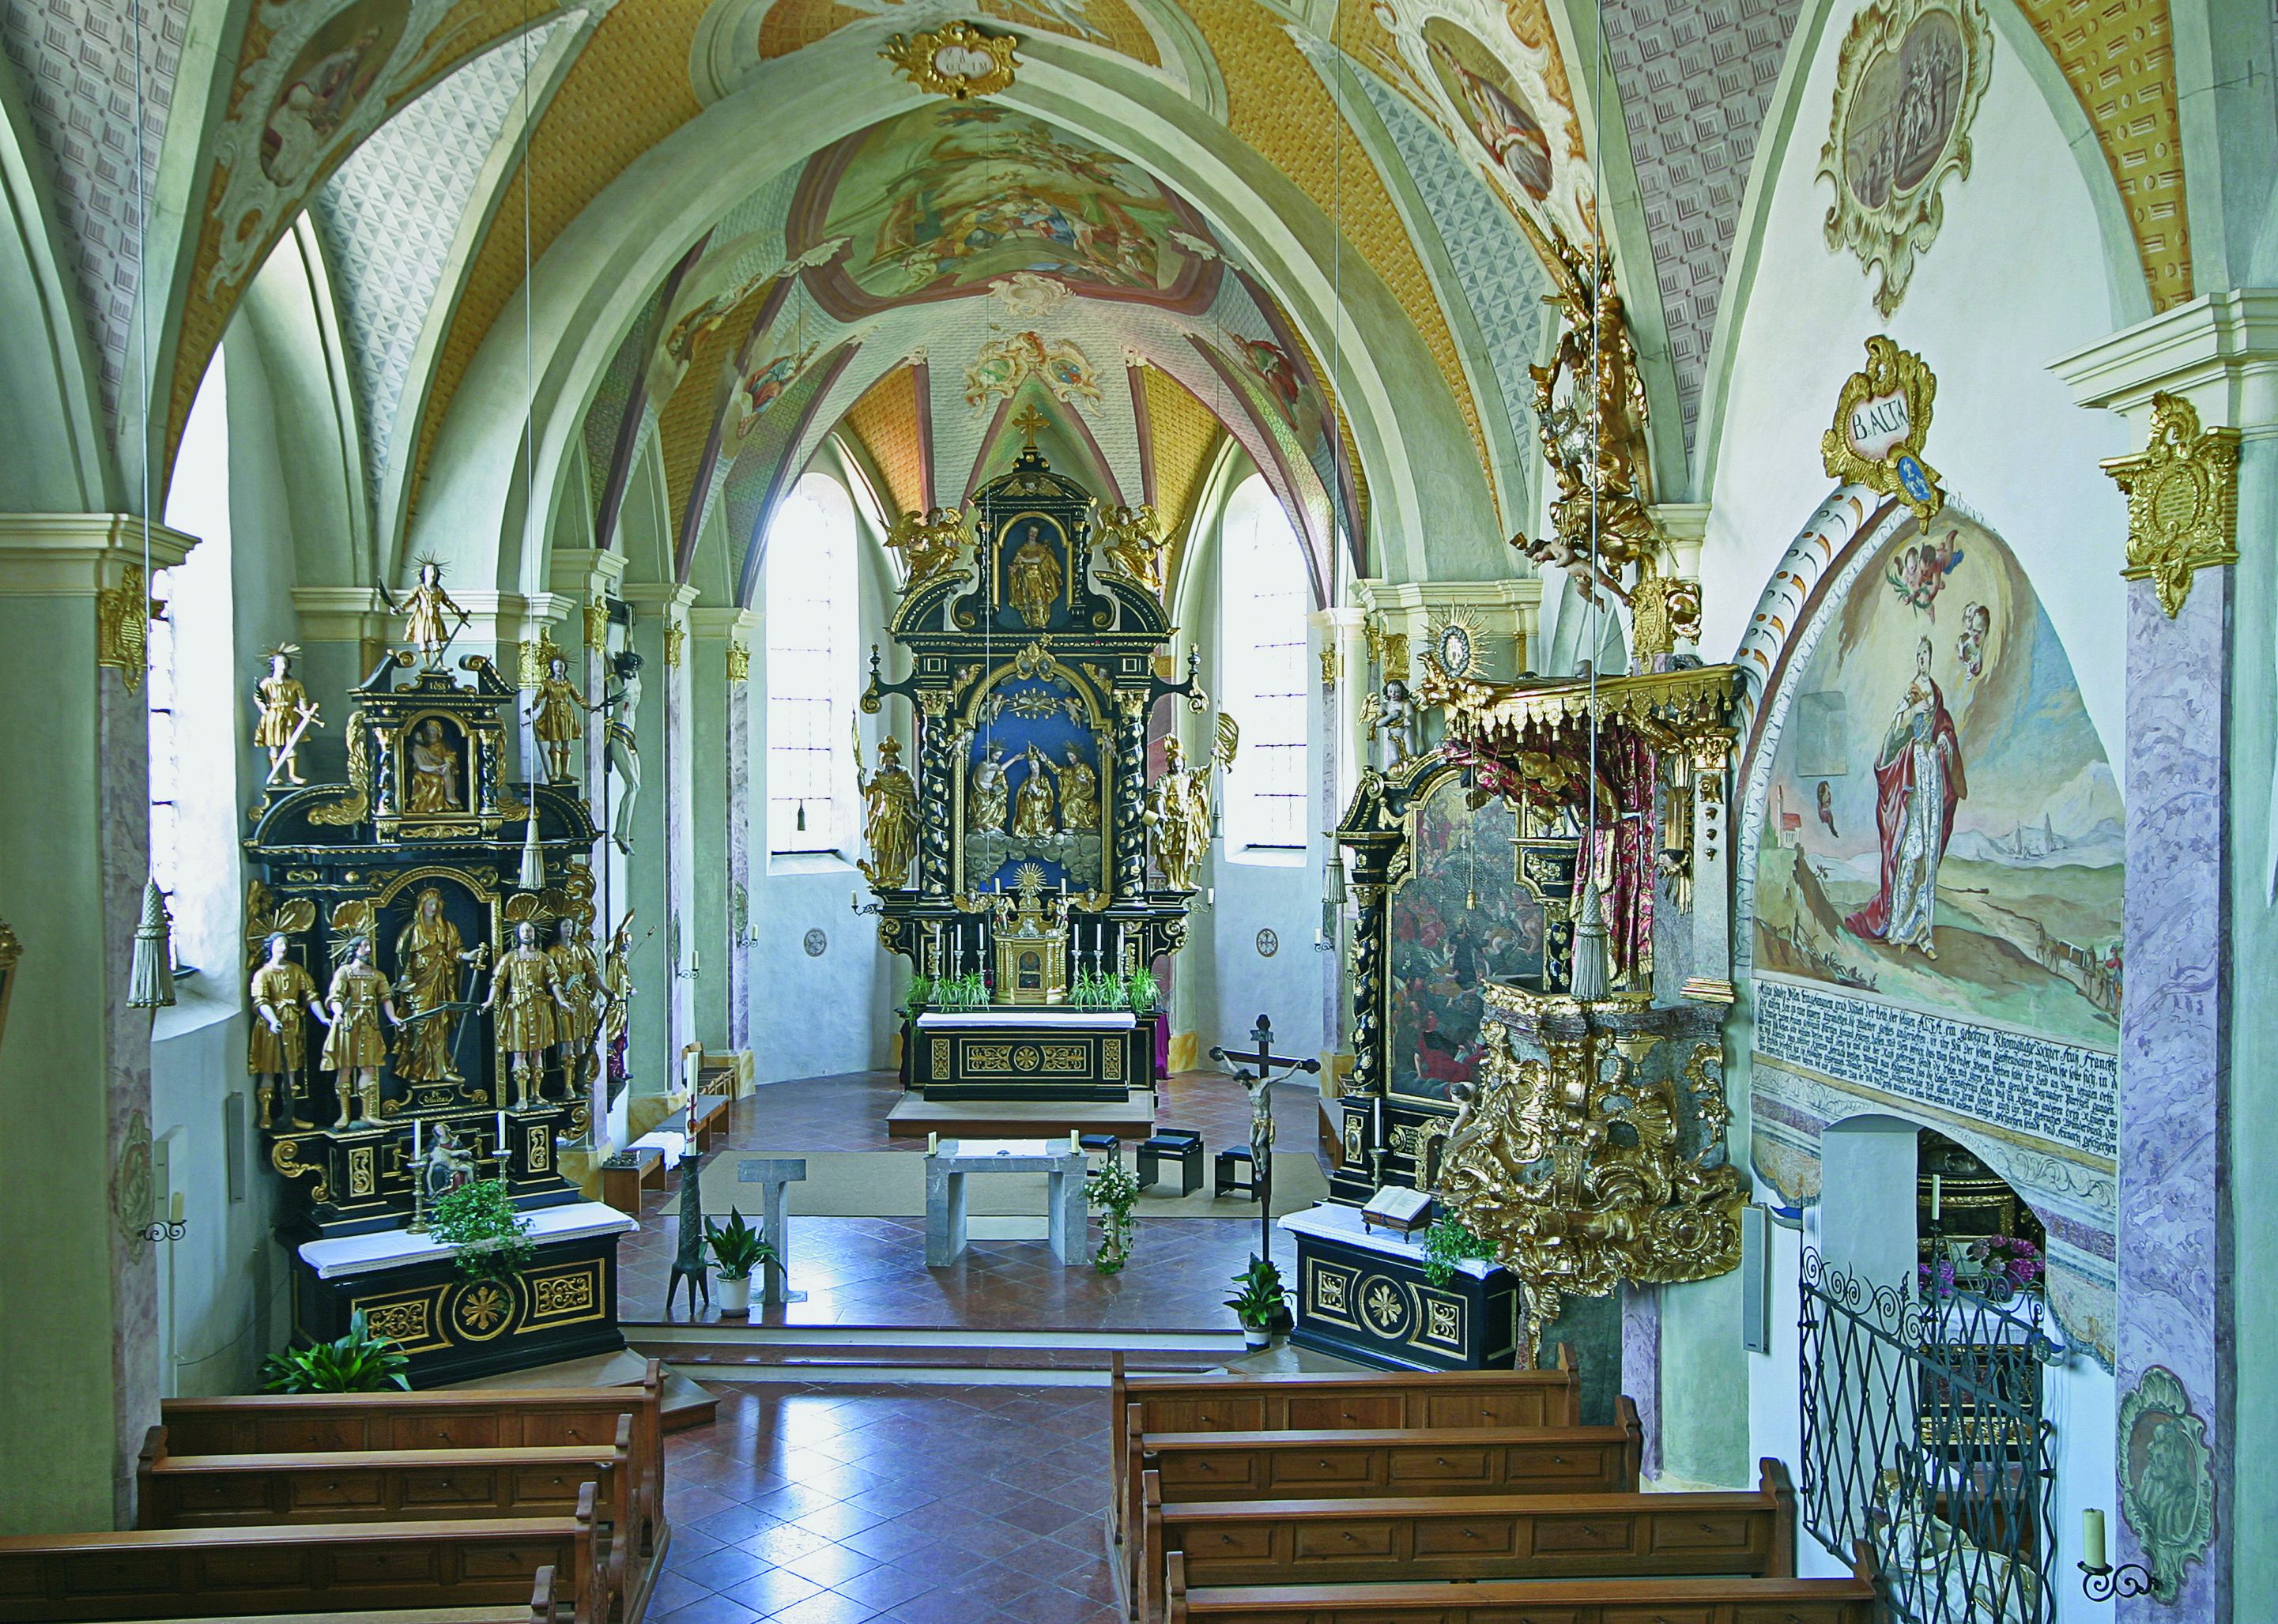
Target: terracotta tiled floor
872	1272
903	1504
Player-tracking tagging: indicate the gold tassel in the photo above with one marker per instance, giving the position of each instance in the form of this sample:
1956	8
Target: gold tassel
151	983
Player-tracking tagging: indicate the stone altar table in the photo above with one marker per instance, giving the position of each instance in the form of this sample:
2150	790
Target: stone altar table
951	1161
775	1176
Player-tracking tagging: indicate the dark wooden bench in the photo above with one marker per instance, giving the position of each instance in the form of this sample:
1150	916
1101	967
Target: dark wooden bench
710	1116
1294	1402
1534	1601
1194	1467
475	1418
330	1568
1469	1537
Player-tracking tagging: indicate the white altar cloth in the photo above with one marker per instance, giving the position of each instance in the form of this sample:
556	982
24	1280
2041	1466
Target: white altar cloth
1330	1221
1061	1019
357	1255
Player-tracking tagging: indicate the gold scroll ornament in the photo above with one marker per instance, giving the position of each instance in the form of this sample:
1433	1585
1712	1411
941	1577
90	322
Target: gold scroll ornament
2183	500
1882	419
1572	1170
957	61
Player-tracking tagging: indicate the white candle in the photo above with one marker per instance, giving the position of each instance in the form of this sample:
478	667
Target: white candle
933	1143
2091	1539
176	1211
501	1133
1936	1195
415	1139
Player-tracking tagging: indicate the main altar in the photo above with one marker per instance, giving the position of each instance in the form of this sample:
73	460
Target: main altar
1013	869
427	999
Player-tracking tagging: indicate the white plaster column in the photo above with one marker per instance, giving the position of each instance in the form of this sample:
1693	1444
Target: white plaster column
2201	949
1337	634
343	631
582	583
79	1341
664	830
721	686
504	628
1686	526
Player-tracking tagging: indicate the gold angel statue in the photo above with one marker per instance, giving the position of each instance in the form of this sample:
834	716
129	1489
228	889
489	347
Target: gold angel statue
929	545
1177	816
889	816
1132	539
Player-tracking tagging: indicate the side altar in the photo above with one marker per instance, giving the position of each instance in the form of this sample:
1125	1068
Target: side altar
427	998
1028	869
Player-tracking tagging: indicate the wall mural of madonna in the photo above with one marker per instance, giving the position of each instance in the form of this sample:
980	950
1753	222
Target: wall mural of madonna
1457	920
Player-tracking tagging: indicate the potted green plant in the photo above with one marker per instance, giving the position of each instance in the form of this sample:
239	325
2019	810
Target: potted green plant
489	1239
1143	991
357	1362
1449	1242
1114	1190
737	1250
1260	1302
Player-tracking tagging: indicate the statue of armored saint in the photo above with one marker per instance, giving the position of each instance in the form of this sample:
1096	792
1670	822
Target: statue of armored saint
577	973
530	1022
359	1001
557	716
277	1044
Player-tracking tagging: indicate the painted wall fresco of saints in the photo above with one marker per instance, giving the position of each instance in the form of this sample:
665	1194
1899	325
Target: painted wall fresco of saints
1943	829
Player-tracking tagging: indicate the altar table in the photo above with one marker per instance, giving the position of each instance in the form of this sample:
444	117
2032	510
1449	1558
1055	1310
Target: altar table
1034	1054
951	1161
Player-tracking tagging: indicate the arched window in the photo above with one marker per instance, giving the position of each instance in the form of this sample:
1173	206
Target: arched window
811	618
1265	601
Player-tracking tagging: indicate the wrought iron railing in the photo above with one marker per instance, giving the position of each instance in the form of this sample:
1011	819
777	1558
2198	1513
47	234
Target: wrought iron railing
1923	1435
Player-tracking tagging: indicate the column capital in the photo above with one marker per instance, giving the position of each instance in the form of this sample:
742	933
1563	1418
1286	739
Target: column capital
2219	351
339	614
584	570
1508	610
669	596
503	619
79	555
718	625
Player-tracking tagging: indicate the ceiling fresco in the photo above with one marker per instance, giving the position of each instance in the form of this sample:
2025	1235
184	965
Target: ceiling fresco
787	25
943	200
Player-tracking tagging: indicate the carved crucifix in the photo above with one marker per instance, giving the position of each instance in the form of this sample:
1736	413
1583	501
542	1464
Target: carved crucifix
1261	1116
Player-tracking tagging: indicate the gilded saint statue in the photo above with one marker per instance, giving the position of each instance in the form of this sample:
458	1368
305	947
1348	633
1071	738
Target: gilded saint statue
530	1022
428	614
1132	539
557	716
1032	806
577	973
429	951
1177	816
432	771
988	794
889	817
277	1047
1034	578
286	713
617	997
1079	795
353	1049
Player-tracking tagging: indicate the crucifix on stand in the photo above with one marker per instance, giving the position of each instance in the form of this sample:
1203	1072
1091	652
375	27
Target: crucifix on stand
1261	1116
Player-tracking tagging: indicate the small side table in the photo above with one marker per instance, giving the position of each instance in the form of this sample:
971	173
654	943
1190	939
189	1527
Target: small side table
1177	1145
775	1176
950	1160
1232	1172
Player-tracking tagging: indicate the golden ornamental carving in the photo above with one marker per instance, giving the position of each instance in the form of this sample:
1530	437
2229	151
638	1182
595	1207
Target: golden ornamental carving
1664	611
355	806
676	638
1907	82
597	621
1882	419
957	61
122	627
1571	1168
399	1321
537	655
930	545
2183	500
739	661
1333	667
1590	412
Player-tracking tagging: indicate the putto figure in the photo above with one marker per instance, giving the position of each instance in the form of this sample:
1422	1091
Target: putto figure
286	713
890	816
530	1022
277	1047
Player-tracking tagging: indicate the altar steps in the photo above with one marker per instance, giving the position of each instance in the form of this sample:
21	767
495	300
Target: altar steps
854	1353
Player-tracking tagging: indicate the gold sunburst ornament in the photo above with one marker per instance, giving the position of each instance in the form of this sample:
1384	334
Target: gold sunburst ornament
1454	637
959	61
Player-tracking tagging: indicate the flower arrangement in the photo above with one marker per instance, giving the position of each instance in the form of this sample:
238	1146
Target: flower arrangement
2010	1262
1114	1191
1447	1243
489	1239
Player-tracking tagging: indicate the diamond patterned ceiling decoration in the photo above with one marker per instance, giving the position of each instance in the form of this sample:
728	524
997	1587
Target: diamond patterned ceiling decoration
1694	80
388	217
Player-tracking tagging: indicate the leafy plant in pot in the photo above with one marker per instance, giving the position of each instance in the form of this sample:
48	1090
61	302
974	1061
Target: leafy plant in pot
1114	1191
1261	1302
737	1250
488	1238
357	1362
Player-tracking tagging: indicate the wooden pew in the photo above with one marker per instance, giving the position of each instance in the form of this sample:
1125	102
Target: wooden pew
330	1568
1534	1601
1469	1537
475	1418
1373	1463
1298	1402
